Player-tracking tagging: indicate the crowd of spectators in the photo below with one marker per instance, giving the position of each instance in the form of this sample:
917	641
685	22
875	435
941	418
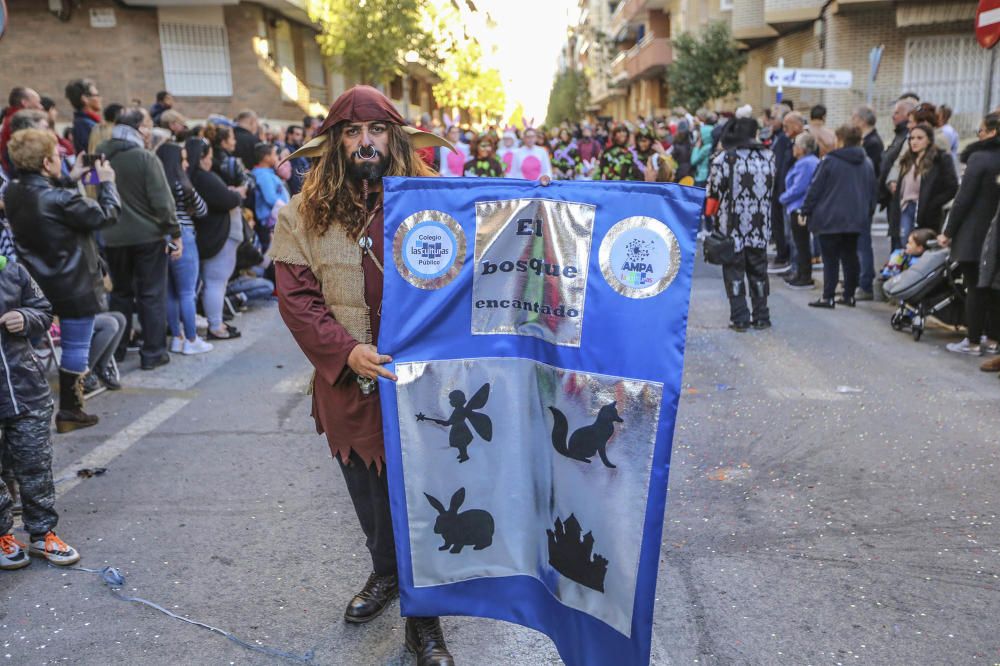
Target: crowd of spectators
146	232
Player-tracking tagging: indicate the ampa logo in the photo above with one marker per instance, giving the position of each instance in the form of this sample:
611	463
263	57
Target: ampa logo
639	257
638	270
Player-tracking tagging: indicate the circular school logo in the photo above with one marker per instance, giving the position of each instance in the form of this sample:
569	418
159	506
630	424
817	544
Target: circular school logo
640	257
429	249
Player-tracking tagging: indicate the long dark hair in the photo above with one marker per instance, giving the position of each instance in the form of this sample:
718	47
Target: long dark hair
196	148
328	193
171	157
909	158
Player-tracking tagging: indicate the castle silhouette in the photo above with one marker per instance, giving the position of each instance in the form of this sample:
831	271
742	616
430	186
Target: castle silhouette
571	555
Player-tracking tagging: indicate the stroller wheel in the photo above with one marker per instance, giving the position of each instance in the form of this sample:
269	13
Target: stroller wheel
896	321
917	332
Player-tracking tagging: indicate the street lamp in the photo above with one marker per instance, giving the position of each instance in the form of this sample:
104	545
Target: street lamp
410	57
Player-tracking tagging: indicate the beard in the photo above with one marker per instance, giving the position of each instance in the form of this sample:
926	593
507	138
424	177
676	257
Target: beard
367	169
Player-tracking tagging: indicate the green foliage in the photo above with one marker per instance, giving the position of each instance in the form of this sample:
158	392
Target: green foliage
466	84
569	97
371	37
705	67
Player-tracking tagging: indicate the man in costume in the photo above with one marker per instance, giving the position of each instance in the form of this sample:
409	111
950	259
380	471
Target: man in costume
328	256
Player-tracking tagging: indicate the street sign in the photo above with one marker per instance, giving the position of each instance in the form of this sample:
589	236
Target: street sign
988	23
777	77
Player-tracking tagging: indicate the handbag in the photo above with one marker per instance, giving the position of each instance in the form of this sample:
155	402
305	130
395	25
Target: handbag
718	248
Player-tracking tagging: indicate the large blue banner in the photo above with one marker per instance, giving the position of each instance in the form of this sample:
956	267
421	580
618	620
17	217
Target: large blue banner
538	336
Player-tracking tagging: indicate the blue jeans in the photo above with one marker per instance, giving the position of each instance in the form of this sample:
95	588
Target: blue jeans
76	335
907	218
215	272
181	287
255	288
867	258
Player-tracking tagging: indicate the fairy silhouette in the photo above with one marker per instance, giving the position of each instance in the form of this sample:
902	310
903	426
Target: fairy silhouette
461	436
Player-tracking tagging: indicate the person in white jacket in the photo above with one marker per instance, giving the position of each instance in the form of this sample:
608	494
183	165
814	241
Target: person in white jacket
453	164
532	161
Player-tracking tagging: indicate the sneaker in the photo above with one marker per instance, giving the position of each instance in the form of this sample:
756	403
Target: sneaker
176	345
55	550
864	296
762	325
12	554
801	283
198	346
989	346
90	383
964	347
776	267
739	326
200	322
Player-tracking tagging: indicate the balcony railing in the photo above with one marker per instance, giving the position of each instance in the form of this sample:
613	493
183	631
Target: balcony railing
647	58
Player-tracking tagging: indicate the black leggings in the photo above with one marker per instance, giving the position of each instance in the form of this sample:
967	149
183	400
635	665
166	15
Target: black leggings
982	306
837	250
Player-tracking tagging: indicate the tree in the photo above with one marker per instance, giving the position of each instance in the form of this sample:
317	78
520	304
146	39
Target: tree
705	67
467	84
569	97
371	37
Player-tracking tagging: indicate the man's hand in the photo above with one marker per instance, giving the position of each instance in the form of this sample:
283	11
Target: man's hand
105	173
545	181
13	321
943	240
367	362
176	254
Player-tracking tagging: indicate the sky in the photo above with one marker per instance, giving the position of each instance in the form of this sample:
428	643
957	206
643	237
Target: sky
528	35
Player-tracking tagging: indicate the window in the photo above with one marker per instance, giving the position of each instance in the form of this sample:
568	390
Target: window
951	69
725	5
196	60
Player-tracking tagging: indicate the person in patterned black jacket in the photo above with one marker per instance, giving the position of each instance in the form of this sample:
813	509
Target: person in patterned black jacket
485	163
618	161
740	188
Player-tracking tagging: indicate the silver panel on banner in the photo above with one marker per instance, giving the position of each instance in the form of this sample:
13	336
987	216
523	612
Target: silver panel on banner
530	278
540	445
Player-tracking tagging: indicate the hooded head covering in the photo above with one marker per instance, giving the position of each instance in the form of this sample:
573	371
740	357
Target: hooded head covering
364	104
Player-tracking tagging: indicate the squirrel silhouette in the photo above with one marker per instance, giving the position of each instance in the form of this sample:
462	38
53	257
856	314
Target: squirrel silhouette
469	528
589	440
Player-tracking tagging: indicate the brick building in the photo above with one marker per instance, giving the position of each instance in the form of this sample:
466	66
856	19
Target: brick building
930	49
215	56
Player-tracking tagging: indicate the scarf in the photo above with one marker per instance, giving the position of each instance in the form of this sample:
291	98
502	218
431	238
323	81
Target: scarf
129	134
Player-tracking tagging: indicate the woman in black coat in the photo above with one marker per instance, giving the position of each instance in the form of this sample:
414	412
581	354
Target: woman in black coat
54	235
934	171
839	206
218	233
969	221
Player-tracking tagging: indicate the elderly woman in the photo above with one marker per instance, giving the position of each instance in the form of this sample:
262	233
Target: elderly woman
54	234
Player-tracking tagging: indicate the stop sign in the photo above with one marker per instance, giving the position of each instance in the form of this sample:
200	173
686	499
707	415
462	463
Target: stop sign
988	23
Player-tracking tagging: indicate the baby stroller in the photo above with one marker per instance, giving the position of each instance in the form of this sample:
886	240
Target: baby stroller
932	286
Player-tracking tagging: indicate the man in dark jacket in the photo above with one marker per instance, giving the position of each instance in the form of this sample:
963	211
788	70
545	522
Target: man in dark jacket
25	418
900	119
967	225
136	248
864	119
247	126
86	101
839	205
781	146
164	102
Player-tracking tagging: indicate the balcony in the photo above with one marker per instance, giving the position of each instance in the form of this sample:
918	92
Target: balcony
646	59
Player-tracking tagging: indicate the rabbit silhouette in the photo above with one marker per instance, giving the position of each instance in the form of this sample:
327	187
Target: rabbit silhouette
469	528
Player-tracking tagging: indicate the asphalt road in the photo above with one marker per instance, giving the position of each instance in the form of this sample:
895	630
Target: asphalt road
833	500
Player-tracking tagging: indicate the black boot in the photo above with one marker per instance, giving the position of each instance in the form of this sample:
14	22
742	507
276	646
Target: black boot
373	598
425	639
71	415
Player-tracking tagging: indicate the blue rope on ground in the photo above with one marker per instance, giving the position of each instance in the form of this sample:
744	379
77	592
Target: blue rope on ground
115	580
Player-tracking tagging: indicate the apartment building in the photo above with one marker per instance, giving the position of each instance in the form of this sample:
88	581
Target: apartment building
215	56
625	48
929	48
